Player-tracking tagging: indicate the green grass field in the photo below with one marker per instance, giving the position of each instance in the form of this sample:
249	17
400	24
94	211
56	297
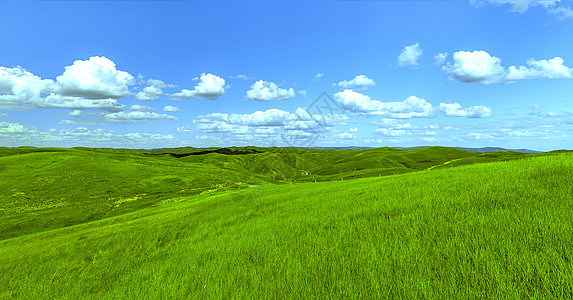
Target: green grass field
380	223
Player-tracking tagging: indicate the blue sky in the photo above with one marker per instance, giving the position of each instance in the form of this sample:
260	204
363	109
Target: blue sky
149	74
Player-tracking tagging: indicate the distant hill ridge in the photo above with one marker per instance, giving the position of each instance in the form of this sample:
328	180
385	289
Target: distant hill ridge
480	150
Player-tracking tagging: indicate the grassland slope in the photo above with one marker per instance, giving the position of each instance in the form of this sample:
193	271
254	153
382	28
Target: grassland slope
493	230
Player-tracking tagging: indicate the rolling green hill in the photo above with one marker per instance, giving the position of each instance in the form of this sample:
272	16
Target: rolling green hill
48	188
96	223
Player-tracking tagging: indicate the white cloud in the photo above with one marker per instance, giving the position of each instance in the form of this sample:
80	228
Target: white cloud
210	86
76	113
551	6
346	135
15	134
159	84
149	93
265	131
410	55
395	129
432	139
58	101
270	117
137	107
13	128
95	78
404	126
479	136
170	108
476	66
19	87
440	58
153	91
213	127
560	13
135	116
81	122
359	82
241	76
302	92
356	102
412	107
267	91
391	132
520	133
317	77
4	115
372	141
481	67
263	122
551	69
184	129
353	129
456	110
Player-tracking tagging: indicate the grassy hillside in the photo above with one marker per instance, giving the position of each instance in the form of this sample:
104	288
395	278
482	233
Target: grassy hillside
48	188
489	230
43	190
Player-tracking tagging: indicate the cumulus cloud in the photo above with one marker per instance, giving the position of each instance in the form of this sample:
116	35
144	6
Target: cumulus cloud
137	107
476	66
410	55
545	68
317	77
153	91
481	67
218	127
149	93
184	129
440	58
159	84
96	84
394	129
412	107
456	110
264	122
552	7
346	135
170	108
391	132
270	117
19	87
210	86
359	82
95	78
268	91
13	128
76	113
123	116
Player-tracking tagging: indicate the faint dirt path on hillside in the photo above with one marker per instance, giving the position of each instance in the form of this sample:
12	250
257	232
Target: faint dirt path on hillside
446	163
